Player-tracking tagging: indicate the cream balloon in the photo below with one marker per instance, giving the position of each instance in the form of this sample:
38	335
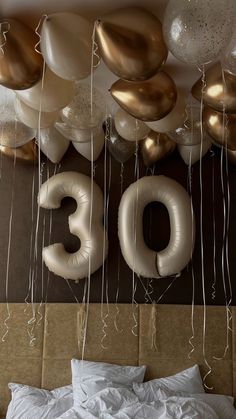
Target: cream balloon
92	149
142	260
33	118
50	94
52	144
129	128
77	135
193	153
91	233
66	45
174	119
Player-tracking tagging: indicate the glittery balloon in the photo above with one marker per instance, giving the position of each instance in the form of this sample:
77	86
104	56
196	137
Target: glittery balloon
196	31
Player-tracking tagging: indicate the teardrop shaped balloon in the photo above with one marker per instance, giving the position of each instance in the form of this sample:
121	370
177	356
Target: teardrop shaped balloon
131	43
27	153
147	100
21	66
218	92
52	144
66	45
193	153
77	135
33	118
231	156
89	151
49	95
156	147
221	129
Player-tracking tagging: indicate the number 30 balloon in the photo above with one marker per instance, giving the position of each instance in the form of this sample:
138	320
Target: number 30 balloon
91	254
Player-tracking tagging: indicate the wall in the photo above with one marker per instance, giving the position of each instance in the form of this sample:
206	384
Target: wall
156	229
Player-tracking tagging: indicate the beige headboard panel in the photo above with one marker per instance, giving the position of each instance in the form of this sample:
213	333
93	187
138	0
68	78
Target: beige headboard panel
46	363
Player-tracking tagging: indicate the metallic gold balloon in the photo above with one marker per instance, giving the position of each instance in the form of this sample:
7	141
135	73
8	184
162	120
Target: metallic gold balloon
218	92
231	156
147	100
156	147
21	66
131	43
27	153
222	132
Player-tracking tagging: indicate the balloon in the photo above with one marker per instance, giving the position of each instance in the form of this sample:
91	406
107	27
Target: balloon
130	128
228	59
156	147
77	135
27	153
85	149
231	156
66	45
192	153
13	133
52	144
33	118
131	43
88	227
190	132
49	95
218	93
79	113
21	66
174	119
146	100
222	132
141	259
119	148
196	31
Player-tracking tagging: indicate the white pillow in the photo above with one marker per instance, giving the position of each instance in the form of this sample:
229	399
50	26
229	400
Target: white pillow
88	378
188	380
30	402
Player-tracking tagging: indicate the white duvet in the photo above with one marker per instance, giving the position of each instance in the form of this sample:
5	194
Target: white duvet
121	403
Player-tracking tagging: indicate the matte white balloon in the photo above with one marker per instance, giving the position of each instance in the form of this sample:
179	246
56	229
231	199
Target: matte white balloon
90	230
196	31
66	45
77	135
141	259
33	118
52	144
193	153
92	149
49	95
129	128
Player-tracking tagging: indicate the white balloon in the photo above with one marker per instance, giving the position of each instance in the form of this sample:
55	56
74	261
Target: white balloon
52	144
33	118
49	95
88	150
77	135
129	128
142	260
192	153
66	45
91	254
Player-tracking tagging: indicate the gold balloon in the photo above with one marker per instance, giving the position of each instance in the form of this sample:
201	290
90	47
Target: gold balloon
27	153
20	65
156	147
147	100
218	92
231	156
222	132
131	43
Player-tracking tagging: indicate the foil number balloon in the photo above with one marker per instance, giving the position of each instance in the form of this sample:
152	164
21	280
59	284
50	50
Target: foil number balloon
142	260
91	254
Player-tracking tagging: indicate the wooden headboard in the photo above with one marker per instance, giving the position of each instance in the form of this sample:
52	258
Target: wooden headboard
168	327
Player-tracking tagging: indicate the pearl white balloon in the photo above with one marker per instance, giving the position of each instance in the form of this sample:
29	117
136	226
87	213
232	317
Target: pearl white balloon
33	118
129	128
77	135
49	95
196	31
192	153
66	45
52	144
86	149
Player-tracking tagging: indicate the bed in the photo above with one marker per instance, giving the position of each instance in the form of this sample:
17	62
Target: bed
154	336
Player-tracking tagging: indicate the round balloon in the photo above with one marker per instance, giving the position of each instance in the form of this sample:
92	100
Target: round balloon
119	148
49	95
33	118
52	144
77	135
129	128
155	147
196	31
66	45
27	153
21	66
228	59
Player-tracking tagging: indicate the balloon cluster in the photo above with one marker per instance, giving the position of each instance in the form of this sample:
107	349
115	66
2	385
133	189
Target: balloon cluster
42	71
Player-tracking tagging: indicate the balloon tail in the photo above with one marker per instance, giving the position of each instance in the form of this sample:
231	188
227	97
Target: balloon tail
4	29
37	31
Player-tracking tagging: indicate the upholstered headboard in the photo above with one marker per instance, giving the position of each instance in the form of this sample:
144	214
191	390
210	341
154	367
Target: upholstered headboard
46	363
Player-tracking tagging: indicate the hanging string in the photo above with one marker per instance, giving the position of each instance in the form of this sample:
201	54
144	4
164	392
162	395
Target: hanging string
4	29
37	31
213	295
